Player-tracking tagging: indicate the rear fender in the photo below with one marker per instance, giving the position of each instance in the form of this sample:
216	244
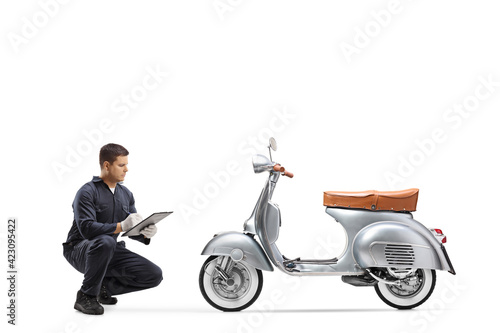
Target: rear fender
239	247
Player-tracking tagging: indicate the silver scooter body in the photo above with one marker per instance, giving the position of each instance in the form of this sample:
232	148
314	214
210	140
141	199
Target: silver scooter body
375	239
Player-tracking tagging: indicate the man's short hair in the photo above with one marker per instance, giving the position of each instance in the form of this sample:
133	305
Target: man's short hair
110	152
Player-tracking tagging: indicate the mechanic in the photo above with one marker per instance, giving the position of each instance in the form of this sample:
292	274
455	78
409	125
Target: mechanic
102	209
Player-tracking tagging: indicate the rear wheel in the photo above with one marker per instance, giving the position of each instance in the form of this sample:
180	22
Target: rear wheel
412	291
229	285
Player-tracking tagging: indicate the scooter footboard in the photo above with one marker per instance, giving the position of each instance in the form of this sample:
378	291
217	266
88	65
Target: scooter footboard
395	244
240	247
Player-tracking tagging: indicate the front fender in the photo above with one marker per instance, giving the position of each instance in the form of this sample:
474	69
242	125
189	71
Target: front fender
397	244
225	243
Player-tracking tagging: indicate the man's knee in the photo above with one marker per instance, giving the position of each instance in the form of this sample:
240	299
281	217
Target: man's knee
103	245
156	276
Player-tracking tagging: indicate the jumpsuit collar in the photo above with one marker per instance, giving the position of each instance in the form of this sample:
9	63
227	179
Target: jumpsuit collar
97	179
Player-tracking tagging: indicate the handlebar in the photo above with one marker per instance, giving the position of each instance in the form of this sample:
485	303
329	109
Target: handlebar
281	169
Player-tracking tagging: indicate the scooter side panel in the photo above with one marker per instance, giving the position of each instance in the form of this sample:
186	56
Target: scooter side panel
225	243
393	244
354	220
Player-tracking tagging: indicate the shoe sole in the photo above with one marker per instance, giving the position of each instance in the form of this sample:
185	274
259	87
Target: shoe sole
107	303
83	310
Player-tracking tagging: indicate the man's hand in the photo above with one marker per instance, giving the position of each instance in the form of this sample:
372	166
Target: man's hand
149	231
130	221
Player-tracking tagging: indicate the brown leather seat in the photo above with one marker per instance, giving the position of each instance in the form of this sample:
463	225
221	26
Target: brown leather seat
405	200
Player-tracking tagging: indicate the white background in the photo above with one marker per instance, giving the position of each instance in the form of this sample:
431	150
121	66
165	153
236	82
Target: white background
351	120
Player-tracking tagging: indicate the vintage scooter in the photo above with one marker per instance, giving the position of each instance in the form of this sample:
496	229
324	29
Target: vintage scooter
386	248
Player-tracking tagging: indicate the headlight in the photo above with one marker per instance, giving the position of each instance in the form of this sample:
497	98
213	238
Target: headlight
261	163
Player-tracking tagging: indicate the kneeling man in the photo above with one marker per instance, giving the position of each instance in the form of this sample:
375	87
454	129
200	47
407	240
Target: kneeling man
102	209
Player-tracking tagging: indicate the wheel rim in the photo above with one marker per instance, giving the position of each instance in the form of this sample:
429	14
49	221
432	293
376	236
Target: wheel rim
233	295
410	286
410	295
236	287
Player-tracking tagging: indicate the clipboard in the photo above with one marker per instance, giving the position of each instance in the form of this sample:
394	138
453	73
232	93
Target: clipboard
152	219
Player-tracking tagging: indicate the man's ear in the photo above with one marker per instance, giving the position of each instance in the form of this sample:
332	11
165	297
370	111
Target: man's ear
105	165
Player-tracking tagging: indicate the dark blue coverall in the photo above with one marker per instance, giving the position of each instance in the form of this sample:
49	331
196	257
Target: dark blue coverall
92	248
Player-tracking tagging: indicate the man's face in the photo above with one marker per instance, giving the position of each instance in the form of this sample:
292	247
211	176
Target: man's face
117	171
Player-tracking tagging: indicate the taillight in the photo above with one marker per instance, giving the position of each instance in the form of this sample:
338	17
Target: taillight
438	233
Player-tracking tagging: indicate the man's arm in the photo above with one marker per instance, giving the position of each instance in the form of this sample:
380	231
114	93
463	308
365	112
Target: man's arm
132	209
85	216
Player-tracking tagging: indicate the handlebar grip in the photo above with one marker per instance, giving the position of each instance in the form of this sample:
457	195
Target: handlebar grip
288	174
278	167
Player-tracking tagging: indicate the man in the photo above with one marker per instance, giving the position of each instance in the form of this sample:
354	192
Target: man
102	209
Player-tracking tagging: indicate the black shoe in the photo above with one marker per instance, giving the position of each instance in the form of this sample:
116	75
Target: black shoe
88	304
105	297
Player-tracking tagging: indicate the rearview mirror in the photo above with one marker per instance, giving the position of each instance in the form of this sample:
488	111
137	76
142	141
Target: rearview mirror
273	144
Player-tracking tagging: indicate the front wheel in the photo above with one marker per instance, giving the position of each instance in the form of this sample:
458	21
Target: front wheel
413	290
229	285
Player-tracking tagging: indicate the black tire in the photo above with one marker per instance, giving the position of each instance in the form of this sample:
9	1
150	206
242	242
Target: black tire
212	293
409	301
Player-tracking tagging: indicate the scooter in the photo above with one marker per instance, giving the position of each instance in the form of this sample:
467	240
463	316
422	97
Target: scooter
385	247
